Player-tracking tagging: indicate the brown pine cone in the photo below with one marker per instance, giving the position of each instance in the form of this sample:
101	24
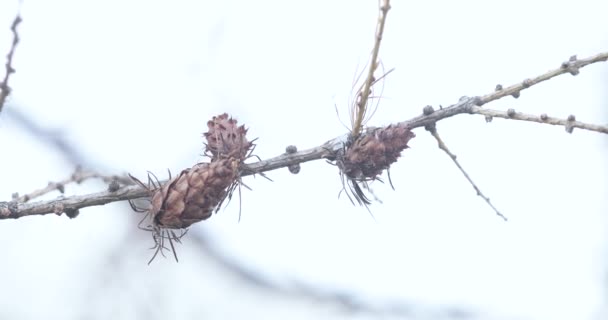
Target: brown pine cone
375	151
225	139
193	195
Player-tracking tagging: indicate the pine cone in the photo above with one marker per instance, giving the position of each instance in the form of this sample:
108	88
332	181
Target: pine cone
375	151
225	139
192	196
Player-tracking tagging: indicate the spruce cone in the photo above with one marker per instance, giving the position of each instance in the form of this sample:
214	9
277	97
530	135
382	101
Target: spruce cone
225	139
375	151
192	196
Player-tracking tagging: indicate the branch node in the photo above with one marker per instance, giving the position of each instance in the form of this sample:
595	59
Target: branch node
527	83
569	127
59	186
293	168
58	208
478	101
571	66
113	186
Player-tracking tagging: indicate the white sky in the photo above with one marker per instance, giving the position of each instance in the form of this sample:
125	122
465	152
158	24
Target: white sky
132	83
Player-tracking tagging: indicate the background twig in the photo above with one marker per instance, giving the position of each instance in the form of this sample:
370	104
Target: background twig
5	90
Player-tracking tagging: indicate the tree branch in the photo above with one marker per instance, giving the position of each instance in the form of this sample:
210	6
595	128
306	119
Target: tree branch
466	105
5	90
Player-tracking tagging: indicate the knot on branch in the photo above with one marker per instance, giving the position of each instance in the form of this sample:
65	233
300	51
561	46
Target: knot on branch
571	65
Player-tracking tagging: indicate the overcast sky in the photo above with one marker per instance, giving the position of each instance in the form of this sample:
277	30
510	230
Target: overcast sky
132	84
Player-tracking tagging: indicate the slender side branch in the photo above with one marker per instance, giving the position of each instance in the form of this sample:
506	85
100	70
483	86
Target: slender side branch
433	130
466	105
78	176
571	66
569	123
5	89
364	93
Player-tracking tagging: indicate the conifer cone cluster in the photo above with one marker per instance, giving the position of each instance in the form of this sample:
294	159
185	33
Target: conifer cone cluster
196	192
374	151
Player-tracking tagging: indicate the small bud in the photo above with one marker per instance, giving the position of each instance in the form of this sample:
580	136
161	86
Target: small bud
58	208
294	168
527	83
498	87
515	94
428	110
60	187
71	212
511	112
544	117
571	118
113	186
291	149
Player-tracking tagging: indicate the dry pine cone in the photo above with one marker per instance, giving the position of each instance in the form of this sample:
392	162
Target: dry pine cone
193	195
375	151
225	139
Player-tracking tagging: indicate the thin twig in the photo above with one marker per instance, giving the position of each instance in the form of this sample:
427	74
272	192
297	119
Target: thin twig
78	176
363	94
433	130
5	89
467	105
571	66
568	123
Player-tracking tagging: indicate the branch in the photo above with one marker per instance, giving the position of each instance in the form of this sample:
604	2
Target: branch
78	177
433	130
569	123
466	105
365	91
5	89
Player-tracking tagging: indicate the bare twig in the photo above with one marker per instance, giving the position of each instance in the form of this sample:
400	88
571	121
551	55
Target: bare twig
569	123
466	105
571	66
364	93
5	89
78	176
433	130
